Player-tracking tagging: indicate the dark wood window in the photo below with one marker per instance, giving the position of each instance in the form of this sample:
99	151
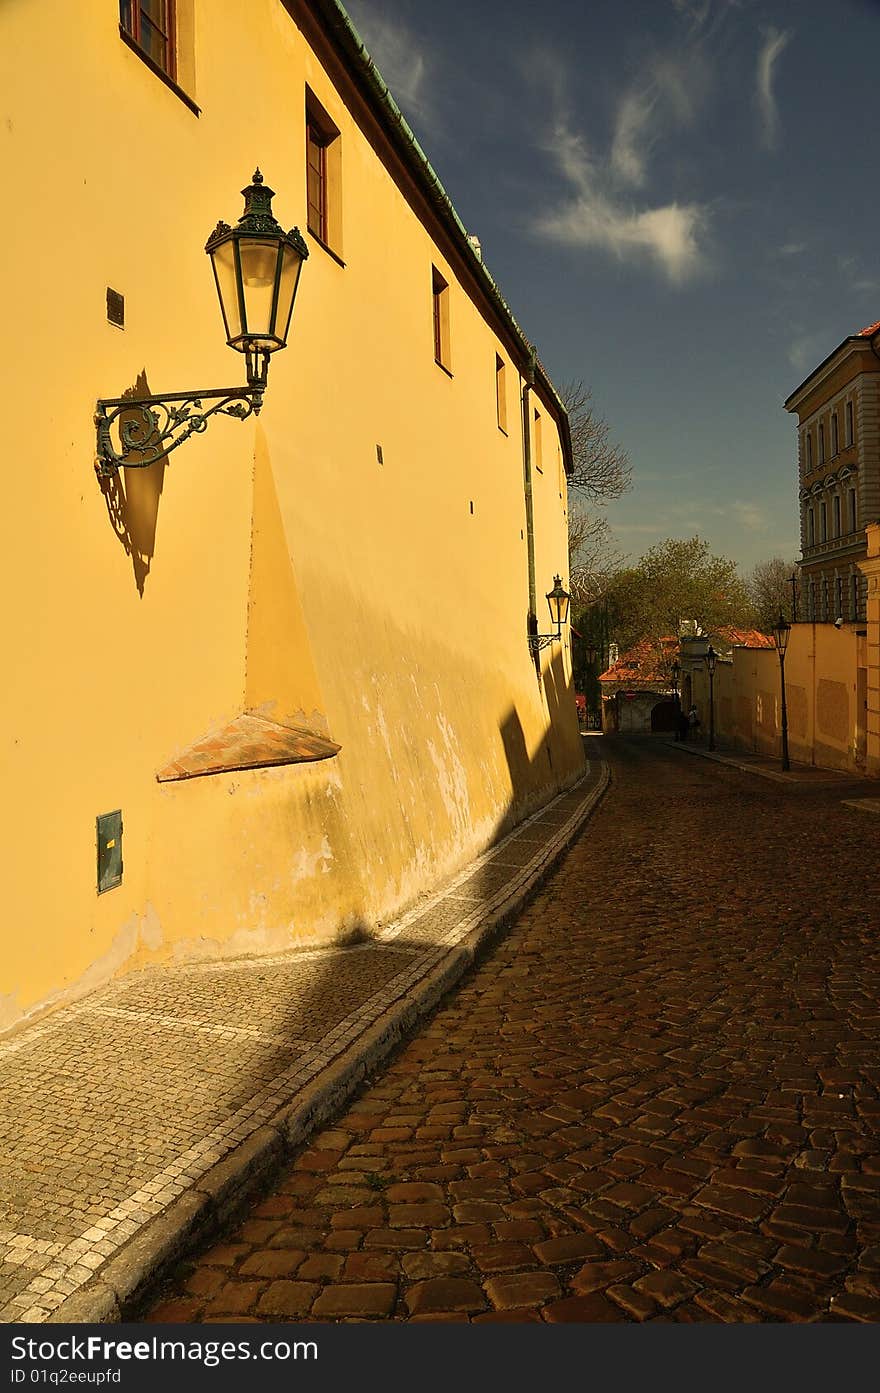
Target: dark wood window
849	423
150	23
316	180
440	292
500	393
835	445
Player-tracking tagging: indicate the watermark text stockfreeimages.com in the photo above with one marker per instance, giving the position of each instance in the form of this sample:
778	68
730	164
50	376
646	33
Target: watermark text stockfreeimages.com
99	1349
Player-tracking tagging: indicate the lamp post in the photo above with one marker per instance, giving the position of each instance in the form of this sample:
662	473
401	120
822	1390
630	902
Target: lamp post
256	268
781	631
676	674
711	660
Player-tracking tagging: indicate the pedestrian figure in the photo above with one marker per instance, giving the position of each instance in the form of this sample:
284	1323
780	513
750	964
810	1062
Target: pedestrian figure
693	719
682	725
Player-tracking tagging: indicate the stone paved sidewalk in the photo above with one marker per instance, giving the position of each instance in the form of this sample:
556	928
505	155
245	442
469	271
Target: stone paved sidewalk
130	1120
767	767
656	1099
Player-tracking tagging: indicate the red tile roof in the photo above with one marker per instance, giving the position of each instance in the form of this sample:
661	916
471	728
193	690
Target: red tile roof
744	638
869	332
645	663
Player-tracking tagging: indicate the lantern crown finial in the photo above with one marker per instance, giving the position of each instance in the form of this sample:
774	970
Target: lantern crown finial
258	216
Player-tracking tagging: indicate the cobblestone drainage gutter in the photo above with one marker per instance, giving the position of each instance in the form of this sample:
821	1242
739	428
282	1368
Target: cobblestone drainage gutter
121	1287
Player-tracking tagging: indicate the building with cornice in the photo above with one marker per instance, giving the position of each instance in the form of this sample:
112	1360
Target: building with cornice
838	411
266	691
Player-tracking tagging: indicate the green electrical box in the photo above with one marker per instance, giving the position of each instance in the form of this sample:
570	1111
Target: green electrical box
109	850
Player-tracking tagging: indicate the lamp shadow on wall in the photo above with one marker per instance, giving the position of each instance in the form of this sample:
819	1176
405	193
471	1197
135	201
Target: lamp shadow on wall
132	498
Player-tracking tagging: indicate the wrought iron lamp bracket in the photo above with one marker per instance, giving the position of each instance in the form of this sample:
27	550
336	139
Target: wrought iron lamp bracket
539	641
149	428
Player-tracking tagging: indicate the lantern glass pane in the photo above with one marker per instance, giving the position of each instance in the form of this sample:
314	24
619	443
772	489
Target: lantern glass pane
223	261
291	265
259	261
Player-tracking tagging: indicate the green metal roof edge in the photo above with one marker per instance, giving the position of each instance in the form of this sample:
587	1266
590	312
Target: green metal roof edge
354	50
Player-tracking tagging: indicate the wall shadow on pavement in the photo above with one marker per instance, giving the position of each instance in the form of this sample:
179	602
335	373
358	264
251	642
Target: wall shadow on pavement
274	1023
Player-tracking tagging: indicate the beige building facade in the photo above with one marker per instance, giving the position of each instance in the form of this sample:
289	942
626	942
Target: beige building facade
289	661
838	413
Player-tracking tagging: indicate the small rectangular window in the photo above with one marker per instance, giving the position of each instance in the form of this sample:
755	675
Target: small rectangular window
851	500
150	23
836	507
316	165
323	176
823	523
538	444
821	444
849	423
834	436
501	393
811	527
440	296
809	440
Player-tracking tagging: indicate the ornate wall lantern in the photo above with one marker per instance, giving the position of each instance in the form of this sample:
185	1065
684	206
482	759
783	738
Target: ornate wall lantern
558	599
257	268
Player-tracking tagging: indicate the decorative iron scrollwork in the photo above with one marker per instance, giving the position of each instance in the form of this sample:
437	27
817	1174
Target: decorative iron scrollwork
137	431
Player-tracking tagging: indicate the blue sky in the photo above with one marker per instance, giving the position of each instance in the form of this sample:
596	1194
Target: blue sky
679	199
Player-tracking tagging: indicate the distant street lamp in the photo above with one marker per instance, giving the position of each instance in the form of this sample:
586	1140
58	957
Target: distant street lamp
711	660
781	631
676	674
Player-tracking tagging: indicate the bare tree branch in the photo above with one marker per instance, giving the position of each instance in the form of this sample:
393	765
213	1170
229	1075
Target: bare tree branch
593	555
770	589
602	470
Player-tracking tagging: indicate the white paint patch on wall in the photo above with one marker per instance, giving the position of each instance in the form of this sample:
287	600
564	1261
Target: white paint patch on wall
310	863
451	777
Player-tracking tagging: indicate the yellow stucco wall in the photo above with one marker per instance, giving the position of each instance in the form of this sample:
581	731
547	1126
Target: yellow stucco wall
821	683
275	565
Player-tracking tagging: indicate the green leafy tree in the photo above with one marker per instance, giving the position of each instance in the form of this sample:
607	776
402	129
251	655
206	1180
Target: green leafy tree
677	581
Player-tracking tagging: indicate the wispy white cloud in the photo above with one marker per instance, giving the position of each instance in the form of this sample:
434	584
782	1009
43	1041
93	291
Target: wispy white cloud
598	211
792	249
775	40
749	516
400	58
593	216
803	349
665	94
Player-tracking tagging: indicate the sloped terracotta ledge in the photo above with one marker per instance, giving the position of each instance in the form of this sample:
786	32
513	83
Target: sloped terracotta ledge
249	742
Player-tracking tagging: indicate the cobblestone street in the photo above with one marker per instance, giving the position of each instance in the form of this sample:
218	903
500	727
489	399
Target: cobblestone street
656	1099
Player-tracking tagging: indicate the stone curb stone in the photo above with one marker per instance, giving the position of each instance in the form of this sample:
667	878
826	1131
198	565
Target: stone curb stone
125	1281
